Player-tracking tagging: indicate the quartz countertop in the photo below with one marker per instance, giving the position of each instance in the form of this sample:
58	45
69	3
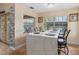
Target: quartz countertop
50	34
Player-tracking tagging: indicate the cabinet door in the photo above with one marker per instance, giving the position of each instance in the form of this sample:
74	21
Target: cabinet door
35	45
50	46
3	28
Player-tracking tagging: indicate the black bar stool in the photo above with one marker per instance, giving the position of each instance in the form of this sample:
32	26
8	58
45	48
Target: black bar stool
62	43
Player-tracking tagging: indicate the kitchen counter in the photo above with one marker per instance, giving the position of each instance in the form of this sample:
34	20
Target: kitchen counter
46	34
44	43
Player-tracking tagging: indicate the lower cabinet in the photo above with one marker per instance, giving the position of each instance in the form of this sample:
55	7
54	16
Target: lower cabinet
39	45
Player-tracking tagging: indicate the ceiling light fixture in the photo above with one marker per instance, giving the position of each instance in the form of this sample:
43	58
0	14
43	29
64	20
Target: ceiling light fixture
31	7
50	5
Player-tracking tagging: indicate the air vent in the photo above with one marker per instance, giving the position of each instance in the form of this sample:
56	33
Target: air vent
31	7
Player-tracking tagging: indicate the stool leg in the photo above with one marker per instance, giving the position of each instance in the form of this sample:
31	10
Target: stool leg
67	50
59	51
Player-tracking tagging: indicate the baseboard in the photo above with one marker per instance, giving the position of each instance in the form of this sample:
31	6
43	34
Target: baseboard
14	48
20	46
74	43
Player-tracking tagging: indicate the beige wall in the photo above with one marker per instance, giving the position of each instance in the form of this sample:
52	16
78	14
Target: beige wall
6	6
20	10
74	26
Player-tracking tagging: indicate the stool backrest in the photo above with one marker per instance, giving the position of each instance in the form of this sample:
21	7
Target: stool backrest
66	34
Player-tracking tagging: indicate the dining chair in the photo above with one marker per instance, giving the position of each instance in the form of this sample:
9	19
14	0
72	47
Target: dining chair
62	43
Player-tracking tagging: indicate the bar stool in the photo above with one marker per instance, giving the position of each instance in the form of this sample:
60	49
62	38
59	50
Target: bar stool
62	43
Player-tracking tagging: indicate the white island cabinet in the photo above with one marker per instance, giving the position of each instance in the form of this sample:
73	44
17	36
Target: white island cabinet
41	44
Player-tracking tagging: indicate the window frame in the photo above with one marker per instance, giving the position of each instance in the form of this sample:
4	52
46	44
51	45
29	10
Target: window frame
55	21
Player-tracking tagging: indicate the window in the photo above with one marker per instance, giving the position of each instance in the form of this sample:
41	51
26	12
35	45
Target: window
57	22
29	25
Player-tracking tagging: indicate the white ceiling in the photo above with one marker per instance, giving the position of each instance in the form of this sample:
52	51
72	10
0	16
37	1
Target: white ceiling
42	7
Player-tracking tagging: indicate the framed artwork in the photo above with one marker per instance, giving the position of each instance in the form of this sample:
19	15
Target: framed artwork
73	17
40	19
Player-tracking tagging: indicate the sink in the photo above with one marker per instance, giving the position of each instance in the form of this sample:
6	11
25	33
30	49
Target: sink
50	34
36	32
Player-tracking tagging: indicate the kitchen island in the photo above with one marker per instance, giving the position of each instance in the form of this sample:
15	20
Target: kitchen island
43	43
